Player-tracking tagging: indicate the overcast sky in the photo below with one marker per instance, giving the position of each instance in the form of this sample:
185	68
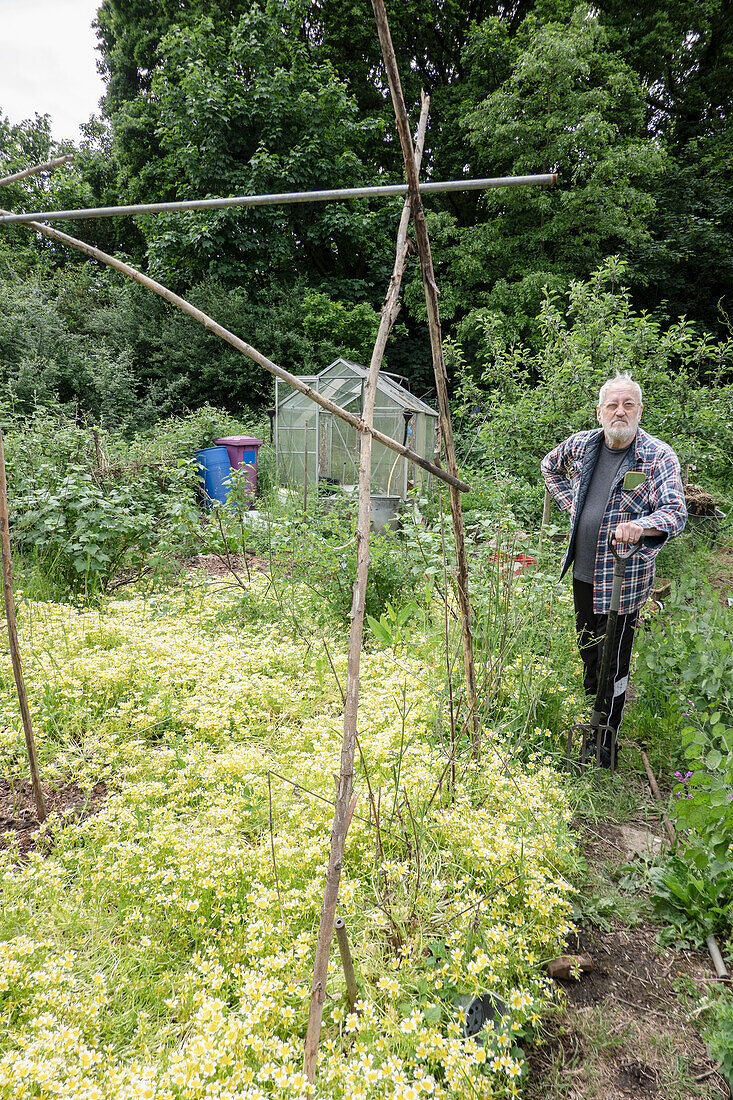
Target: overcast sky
48	62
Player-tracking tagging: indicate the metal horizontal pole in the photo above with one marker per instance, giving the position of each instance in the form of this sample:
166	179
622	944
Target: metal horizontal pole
285	199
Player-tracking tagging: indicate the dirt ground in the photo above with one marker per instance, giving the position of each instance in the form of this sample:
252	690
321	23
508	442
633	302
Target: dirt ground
623	1031
18	816
217	565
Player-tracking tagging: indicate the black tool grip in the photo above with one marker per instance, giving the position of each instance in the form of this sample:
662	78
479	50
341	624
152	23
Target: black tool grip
635	548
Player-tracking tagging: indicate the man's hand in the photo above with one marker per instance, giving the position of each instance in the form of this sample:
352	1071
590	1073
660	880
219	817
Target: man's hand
632	532
628	532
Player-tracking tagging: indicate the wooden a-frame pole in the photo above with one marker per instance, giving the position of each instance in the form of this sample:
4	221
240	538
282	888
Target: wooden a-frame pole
441	377
7	568
25	713
342	815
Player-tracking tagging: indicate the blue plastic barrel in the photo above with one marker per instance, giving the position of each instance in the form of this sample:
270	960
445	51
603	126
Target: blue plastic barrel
242	450
214	475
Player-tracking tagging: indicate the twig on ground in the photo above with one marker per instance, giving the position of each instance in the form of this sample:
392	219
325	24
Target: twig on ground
655	792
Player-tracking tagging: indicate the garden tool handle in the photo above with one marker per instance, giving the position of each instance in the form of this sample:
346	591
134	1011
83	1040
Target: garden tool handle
619	565
635	547
601	710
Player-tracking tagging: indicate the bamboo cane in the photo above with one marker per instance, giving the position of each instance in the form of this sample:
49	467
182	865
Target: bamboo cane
356	632
13	638
36	169
246	349
441	377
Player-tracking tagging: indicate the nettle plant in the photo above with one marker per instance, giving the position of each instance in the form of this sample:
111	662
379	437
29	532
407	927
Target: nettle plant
694	889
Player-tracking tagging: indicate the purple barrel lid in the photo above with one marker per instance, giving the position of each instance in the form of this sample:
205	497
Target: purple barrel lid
238	441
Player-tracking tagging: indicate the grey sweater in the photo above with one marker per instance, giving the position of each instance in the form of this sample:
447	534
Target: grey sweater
594	509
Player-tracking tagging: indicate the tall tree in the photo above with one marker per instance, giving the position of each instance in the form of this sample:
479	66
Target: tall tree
248	111
569	104
684	56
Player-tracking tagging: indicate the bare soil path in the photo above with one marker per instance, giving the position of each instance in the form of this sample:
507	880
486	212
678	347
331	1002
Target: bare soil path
625	1031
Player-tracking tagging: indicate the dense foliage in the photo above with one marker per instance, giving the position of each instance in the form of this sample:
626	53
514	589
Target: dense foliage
514	404
87	505
633	109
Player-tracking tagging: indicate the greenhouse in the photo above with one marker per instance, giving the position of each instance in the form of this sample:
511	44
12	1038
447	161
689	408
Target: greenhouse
315	446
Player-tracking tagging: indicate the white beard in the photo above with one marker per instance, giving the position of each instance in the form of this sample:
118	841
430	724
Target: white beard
620	435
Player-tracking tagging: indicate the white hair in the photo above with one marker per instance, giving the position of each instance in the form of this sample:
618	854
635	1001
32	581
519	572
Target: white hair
620	377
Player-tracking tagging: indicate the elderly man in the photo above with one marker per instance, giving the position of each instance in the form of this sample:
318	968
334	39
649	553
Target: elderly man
619	481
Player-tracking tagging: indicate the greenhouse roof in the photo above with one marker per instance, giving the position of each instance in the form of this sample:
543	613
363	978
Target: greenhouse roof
386	384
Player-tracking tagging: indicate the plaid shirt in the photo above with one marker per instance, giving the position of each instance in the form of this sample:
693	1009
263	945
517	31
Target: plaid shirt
659	502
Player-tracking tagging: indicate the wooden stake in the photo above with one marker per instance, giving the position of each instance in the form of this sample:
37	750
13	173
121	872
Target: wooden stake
441	376
545	517
721	969
13	638
657	795
352	990
356	632
305	469
98	450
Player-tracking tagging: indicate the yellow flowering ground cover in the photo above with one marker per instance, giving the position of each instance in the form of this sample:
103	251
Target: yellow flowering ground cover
152	950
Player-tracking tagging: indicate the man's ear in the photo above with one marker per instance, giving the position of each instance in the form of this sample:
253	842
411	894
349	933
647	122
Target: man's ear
598	413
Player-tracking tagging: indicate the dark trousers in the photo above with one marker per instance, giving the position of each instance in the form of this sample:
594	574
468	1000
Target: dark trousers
591	629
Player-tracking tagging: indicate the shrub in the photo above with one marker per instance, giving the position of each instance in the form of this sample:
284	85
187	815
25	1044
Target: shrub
514	405
686	654
84	503
81	531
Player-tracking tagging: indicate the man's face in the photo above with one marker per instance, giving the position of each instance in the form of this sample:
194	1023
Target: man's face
620	413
